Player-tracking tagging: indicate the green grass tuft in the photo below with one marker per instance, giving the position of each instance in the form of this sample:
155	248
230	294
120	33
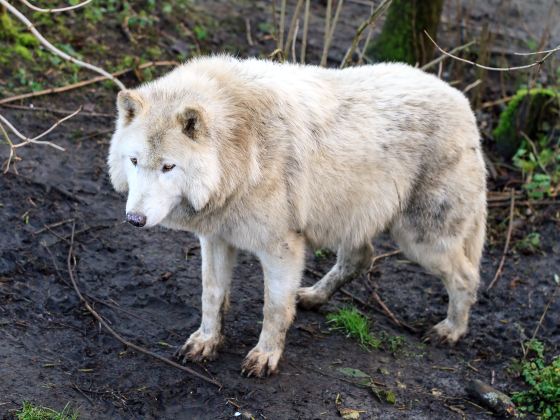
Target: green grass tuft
355	325
32	412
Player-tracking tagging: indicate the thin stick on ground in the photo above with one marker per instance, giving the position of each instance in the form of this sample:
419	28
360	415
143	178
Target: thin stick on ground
71	263
83	83
35	140
58	10
384	308
541	319
55	50
370	21
506	246
57	111
480	66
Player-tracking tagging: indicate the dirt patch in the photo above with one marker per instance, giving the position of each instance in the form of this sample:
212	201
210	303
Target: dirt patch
52	351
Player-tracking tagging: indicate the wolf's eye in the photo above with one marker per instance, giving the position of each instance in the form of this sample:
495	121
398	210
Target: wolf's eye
167	168
134	161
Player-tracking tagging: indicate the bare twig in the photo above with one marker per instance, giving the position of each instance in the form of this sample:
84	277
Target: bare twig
294	59
480	66
535	152
305	30
292	32
280	40
330	33
55	50
370	21
472	85
59	10
327	30
541	319
12	155
384	308
538	52
506	246
71	264
248	32
500	101
443	57
34	140
86	82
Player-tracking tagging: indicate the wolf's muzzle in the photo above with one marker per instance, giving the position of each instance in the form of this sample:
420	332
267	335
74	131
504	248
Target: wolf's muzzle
135	219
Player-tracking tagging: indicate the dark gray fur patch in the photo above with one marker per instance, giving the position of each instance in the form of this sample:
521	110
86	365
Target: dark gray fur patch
429	206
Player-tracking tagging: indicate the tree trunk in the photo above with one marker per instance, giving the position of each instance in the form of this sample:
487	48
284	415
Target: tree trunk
402	37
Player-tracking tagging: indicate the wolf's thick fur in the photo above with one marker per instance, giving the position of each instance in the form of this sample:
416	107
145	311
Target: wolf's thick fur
271	156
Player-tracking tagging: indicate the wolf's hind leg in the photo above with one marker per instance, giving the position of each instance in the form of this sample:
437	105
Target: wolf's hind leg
218	259
350	263
461	279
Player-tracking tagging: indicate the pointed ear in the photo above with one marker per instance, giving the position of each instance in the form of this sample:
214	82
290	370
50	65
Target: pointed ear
129	104
193	123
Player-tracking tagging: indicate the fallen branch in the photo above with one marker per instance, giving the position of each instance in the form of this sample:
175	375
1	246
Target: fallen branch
384	308
59	10
527	203
86	82
57	111
506	246
480	66
55	50
71	263
541	319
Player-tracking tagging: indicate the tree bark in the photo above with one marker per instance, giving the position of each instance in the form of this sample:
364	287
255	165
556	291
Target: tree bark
402	38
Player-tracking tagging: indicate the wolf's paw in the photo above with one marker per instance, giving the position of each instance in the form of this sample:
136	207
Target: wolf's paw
445	332
310	298
199	347
260	363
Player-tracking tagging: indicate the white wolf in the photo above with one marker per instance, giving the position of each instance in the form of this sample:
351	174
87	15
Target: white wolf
266	157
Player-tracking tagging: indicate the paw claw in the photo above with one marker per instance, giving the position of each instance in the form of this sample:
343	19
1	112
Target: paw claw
444	333
199	347
260	363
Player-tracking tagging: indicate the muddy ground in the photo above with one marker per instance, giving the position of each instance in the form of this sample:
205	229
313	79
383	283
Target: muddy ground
147	285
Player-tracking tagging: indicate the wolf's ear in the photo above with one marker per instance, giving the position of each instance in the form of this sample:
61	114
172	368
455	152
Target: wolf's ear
192	123
129	104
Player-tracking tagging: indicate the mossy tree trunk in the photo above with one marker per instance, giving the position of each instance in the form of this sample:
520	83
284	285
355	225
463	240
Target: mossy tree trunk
402	37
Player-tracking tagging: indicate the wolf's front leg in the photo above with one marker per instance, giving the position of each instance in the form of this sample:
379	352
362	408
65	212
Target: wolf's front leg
218	259
282	276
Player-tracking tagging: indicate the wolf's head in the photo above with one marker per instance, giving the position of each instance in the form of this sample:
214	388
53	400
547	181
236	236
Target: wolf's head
163	153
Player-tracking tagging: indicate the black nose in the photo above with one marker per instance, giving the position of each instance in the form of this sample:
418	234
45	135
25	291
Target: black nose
136	219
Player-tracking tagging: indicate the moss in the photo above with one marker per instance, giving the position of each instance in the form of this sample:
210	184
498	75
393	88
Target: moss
8	31
525	113
22	51
402	37
16	40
